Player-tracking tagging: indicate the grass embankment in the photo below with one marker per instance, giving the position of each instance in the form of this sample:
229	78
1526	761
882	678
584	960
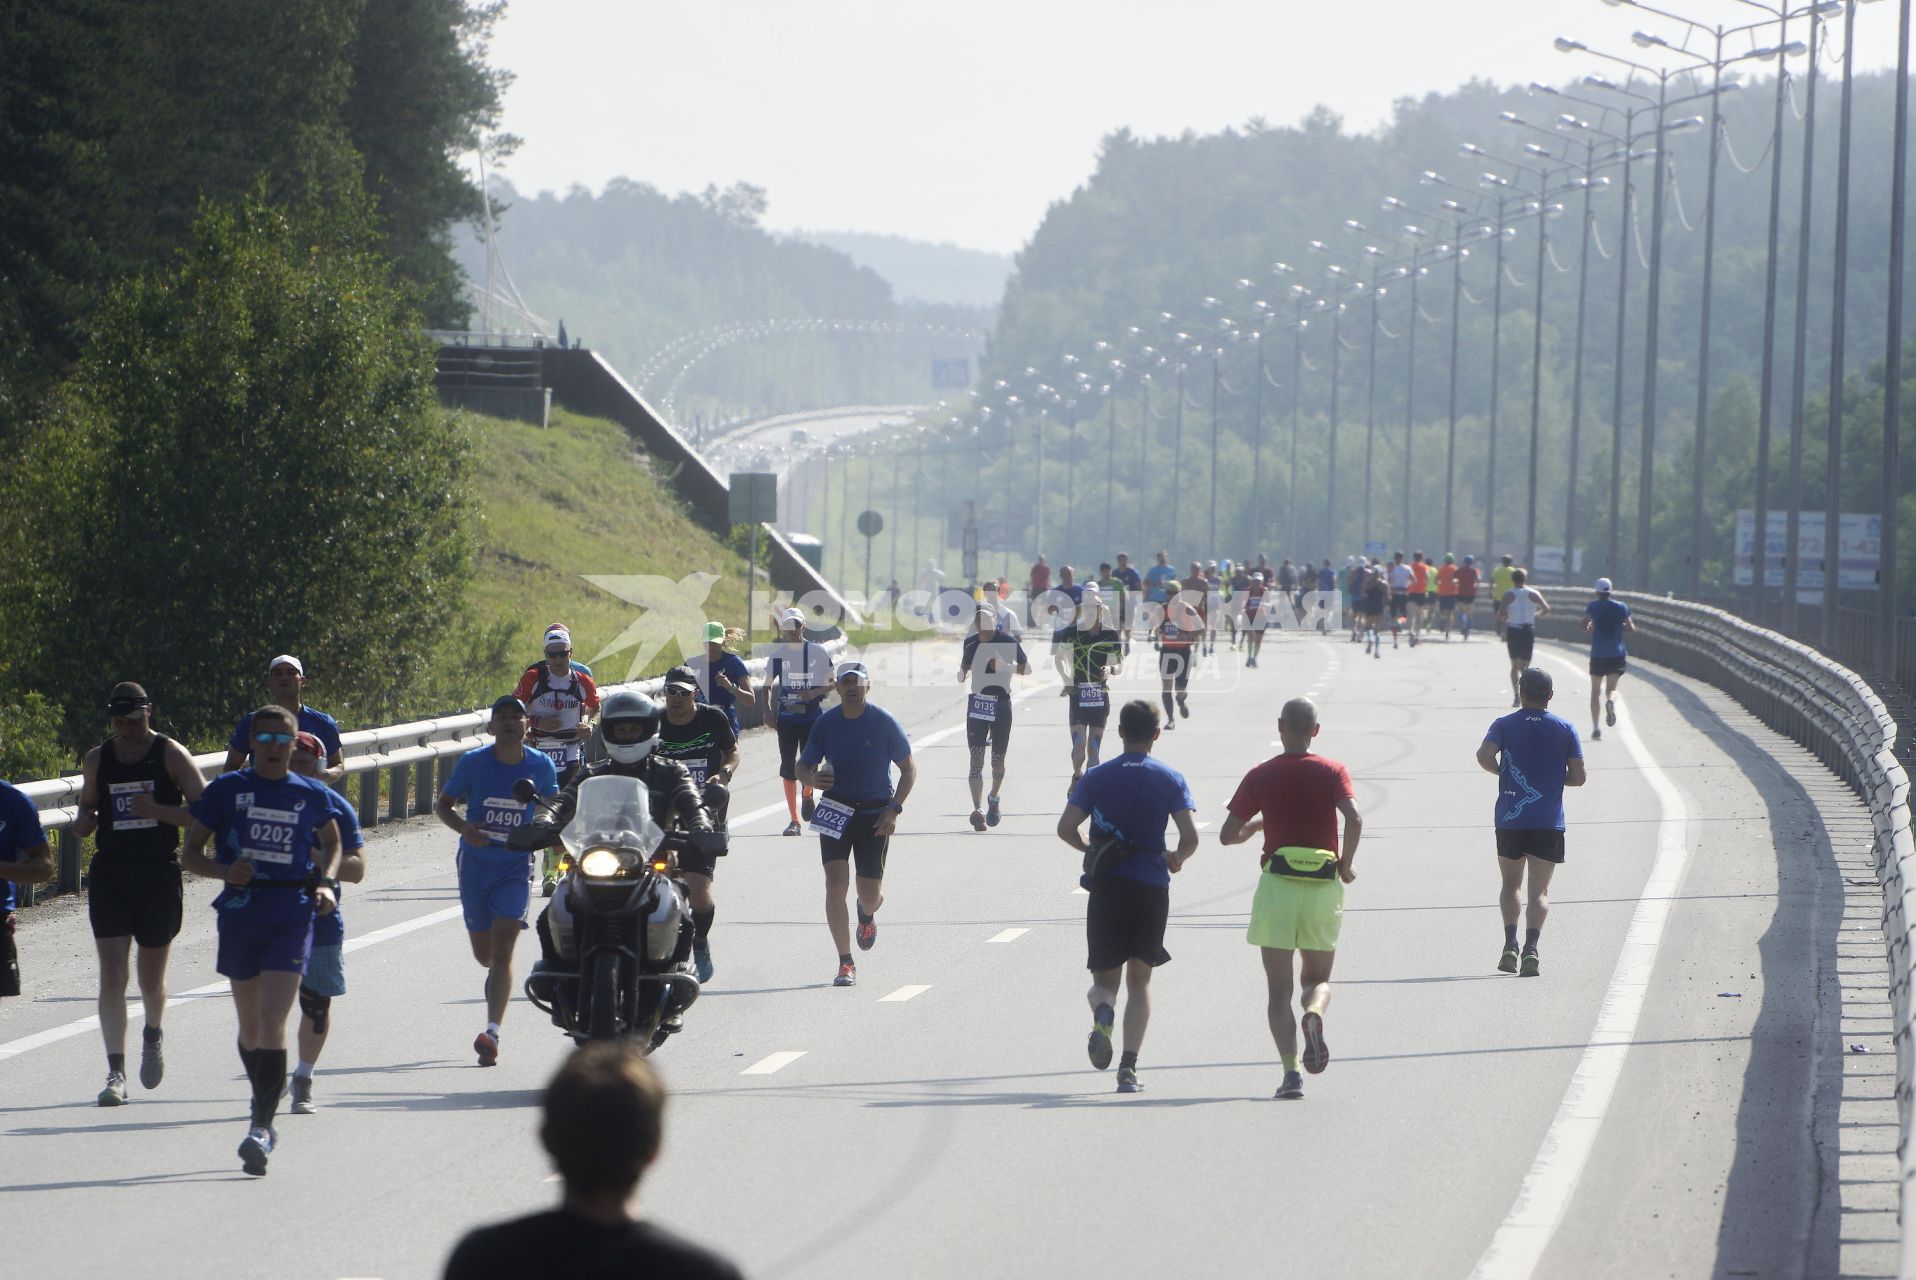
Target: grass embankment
579	498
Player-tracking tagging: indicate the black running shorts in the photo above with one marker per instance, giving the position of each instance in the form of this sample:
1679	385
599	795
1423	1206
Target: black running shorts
791	737
1526	843
1607	666
865	847
134	897
1520	642
995	732
1124	920
1175	665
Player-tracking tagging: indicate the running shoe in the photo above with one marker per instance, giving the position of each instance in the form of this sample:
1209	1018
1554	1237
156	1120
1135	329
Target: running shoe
1610	711
486	1045
807	807
1596	735
847	975
255	1147
702	961
1292	1086
992	816
1529	969
1507	962
1317	1054
867	932
1099	1045
1184	708
303	1096
1128	1080
792	828
115	1092
977	819
152	1062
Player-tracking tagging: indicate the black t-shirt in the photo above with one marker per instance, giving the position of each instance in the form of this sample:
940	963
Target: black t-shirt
557	1243
701	744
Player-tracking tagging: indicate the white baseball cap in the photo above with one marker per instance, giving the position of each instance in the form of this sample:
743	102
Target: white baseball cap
556	634
792	615
1603	585
287	660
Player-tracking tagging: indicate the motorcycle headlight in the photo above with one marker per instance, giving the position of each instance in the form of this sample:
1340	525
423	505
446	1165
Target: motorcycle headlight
600	863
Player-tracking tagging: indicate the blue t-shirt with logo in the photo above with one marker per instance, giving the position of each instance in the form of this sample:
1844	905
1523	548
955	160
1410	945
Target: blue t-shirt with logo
274	823
1134	796
1160	582
317	723
733	668
1537	748
803	665
330	930
1606	626
20	830
862	751
484	782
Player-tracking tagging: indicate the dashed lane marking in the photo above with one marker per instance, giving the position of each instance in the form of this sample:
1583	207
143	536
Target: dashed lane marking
1008	935
903	994
767	1065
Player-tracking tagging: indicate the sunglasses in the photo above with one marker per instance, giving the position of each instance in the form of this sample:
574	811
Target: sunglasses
558	653
272	737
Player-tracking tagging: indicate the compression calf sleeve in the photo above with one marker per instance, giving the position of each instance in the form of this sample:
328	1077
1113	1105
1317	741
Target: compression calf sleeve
269	1077
702	922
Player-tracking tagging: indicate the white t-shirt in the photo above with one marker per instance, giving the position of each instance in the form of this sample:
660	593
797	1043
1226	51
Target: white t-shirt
1521	609
1400	577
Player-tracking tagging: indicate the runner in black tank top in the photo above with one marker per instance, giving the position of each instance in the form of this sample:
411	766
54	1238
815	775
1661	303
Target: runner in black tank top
132	800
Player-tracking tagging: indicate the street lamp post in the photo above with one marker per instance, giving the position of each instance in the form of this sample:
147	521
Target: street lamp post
1299	324
1792	535
1839	301
1893	356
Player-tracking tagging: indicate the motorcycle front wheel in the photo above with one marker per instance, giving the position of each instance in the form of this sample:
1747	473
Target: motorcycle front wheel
602	1019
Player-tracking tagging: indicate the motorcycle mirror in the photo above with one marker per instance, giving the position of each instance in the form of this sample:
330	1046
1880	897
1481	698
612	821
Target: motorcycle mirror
523	791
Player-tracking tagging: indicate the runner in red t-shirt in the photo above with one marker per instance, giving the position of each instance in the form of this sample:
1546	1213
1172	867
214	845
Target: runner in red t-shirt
1293	799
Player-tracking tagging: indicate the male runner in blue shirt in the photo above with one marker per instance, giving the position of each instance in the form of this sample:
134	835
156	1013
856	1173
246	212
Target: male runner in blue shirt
1604	621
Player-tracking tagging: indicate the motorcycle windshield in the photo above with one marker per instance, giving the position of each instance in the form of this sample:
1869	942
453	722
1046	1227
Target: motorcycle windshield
613	812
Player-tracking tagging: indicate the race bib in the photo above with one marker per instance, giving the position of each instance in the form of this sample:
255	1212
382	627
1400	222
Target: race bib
268	835
984	707
791	703
698	770
563	752
121	796
502	813
1091	696
830	818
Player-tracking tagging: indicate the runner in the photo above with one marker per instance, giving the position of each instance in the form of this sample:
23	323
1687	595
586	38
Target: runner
1257	616
325	977
494	880
860	808
701	739
1086	654
1294	800
277	850
1422	591
1287	581
1467	580
798	677
1501	579
1129	601
1213	606
1130	801
723	677
132	800
1517	612
1400	578
1326	594
1535	755
286	682
25	858
561	699
1447	593
1195	592
1175	629
1160	580
989	658
1604	621
1356	579
1370	608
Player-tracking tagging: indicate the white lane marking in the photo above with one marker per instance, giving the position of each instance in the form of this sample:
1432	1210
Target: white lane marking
1082	890
1008	935
765	1066
903	993
1526	1232
53	1035
1203	823
765	811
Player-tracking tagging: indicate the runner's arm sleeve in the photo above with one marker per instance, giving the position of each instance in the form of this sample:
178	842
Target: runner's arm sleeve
589	690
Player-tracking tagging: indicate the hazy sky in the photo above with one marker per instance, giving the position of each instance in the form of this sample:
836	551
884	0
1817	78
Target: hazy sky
962	122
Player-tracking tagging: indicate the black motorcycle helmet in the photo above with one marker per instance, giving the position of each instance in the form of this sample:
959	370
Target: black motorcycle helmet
629	723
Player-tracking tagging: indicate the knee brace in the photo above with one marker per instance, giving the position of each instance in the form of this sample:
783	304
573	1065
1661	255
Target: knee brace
315	1006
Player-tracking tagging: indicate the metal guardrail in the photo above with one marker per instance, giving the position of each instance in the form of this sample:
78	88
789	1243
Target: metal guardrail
412	760
1831	710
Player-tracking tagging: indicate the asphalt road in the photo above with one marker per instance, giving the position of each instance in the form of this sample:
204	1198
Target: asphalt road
1675	1096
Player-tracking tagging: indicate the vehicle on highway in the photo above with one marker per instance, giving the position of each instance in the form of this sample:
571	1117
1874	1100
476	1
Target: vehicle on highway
800	436
620	924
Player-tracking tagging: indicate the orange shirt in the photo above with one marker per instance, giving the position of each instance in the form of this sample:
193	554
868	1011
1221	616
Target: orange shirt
1447	580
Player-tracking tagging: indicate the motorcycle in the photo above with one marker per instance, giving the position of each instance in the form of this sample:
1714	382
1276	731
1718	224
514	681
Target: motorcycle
620	922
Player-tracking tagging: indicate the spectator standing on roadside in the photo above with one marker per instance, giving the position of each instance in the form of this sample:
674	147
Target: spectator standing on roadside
604	1117
133	794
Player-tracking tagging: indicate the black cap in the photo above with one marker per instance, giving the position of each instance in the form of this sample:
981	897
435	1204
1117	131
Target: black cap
1535	682
508	703
126	697
682	677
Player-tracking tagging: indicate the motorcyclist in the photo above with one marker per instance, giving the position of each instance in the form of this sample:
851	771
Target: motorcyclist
629	725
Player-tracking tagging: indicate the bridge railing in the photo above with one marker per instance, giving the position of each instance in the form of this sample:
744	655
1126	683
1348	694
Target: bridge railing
392	772
1816	701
